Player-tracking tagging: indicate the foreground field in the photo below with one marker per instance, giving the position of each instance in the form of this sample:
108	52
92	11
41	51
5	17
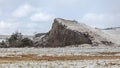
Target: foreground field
74	57
64	64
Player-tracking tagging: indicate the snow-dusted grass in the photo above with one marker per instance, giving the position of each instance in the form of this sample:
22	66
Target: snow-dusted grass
65	64
58	51
88	51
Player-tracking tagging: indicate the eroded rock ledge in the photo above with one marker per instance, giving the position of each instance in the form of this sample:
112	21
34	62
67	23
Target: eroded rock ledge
67	32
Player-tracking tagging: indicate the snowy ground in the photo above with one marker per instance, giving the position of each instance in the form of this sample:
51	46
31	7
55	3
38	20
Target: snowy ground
65	64
99	62
59	51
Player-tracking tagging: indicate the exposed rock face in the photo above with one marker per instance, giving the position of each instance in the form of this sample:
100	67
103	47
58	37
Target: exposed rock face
66	32
59	35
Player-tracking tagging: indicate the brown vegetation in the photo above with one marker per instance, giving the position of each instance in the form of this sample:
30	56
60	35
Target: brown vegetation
34	57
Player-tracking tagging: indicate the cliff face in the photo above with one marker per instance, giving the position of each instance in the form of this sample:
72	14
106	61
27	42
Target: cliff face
59	35
67	32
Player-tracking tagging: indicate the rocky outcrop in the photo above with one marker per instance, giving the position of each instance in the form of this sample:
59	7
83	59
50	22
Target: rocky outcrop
67	32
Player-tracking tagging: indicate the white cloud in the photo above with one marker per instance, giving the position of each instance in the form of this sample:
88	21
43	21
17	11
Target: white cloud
100	17
1	13
41	17
92	17
8	27
68	4
107	19
23	10
4	25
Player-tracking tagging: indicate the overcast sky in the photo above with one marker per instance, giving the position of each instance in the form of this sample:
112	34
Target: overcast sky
33	16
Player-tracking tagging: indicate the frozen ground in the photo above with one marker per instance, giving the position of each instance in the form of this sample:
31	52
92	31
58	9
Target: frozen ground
60	51
65	64
93	57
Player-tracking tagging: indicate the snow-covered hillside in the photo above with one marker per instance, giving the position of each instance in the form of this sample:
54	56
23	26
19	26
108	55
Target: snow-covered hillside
114	33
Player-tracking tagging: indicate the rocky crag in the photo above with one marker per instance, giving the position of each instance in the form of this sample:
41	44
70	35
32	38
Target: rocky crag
67	32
